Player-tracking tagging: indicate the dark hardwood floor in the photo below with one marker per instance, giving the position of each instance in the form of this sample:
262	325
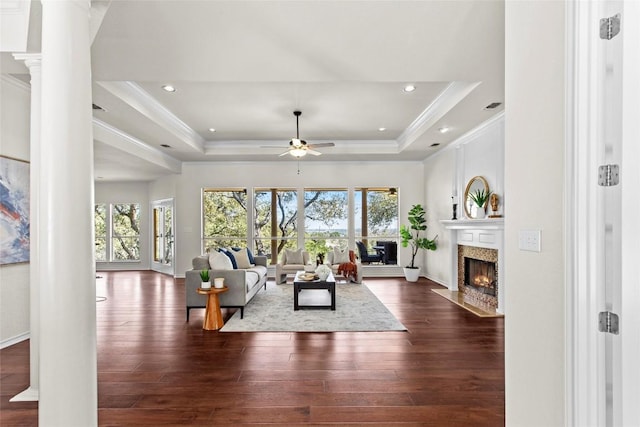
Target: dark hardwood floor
156	369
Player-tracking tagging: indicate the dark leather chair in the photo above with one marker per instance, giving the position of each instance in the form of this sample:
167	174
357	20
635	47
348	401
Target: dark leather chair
365	256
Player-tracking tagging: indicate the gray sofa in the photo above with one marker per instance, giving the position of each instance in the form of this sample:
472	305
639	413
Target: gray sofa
243	284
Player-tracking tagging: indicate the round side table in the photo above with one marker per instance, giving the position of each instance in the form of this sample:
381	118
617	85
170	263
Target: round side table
212	315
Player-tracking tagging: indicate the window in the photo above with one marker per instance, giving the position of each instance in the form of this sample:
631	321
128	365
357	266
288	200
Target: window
325	220
100	219
125	231
275	216
376	215
117	232
224	218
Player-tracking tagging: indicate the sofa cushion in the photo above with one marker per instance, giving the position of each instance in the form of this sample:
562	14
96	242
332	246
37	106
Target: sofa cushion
242	258
220	261
253	275
293	257
200	262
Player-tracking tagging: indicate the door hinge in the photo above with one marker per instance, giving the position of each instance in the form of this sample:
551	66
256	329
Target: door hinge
608	322
610	27
608	175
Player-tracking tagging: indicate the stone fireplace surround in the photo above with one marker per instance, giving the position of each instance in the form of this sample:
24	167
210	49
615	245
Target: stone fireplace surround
477	233
472	296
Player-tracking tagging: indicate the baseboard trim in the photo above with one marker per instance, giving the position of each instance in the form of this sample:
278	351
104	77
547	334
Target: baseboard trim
14	340
28	395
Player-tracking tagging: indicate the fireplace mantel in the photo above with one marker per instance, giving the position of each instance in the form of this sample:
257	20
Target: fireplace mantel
482	233
473	224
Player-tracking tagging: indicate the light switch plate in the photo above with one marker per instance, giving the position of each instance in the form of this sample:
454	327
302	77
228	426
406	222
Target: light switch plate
529	240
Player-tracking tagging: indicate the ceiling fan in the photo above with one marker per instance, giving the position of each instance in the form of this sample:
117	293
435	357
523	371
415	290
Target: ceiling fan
299	147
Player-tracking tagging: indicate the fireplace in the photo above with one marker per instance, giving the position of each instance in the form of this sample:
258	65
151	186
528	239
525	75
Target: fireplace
478	276
481	241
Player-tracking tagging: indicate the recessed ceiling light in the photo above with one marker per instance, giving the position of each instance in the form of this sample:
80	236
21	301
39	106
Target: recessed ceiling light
409	88
169	88
382	129
165	145
444	129
212	130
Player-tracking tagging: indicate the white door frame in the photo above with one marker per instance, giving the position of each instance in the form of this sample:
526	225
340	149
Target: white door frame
585	399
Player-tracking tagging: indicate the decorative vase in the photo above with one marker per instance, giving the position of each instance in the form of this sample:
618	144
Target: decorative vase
218	282
479	212
323	272
206	285
411	274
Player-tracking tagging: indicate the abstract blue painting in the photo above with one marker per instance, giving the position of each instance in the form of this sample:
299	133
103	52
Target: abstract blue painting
14	211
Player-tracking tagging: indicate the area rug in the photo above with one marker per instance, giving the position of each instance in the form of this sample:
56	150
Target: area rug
271	310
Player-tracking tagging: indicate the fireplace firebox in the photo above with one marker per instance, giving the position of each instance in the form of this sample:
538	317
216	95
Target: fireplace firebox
480	275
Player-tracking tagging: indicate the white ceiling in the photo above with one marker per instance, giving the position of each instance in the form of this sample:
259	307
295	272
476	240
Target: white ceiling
243	67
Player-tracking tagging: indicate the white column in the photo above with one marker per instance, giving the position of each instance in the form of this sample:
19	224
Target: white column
68	371
33	62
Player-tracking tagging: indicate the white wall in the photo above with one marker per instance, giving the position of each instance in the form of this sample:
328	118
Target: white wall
480	152
408	177
129	192
14	278
534	176
439	172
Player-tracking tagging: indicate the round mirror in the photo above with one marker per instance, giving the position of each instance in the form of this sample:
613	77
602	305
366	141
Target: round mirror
476	183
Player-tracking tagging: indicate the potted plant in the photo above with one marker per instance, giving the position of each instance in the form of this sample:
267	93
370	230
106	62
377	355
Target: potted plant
206	281
411	237
480	198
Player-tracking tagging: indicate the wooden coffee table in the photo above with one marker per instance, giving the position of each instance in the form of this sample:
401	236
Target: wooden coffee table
329	284
212	315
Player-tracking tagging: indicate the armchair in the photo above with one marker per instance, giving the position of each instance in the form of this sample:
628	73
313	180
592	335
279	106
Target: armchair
290	262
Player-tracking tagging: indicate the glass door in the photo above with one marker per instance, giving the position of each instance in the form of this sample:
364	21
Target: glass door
162	248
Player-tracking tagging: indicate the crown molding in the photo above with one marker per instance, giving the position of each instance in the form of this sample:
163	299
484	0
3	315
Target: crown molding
15	82
387	146
444	102
116	138
143	102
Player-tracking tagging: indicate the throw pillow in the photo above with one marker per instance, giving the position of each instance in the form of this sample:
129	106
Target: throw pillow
293	257
251	258
242	258
219	261
229	253
339	256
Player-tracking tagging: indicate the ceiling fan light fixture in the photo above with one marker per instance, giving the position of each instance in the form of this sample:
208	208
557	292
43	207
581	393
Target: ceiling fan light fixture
298	152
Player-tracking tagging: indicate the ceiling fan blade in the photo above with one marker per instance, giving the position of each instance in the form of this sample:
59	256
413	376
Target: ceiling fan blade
284	154
322	144
315	153
272	146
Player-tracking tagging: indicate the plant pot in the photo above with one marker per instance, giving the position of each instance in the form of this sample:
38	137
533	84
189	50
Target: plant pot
205	285
411	274
218	282
478	212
